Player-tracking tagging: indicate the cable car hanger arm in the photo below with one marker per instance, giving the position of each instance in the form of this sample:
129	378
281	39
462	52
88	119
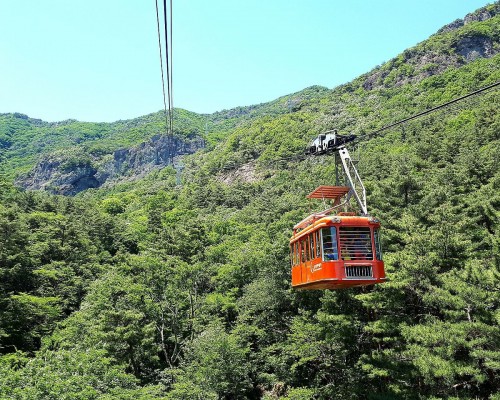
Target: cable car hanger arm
357	189
331	142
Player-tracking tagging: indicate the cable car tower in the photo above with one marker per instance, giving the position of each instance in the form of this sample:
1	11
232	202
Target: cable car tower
337	247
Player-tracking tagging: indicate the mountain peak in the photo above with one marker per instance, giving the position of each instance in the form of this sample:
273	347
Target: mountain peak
482	14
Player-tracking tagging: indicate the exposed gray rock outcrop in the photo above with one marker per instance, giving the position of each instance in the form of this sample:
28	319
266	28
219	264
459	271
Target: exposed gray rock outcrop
52	175
472	47
423	61
70	174
480	15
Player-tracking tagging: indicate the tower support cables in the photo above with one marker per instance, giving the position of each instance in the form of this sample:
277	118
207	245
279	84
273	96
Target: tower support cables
166	72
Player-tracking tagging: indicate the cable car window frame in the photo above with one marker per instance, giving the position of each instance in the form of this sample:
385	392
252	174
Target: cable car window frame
317	239
302	251
297	253
311	247
378	246
332	234
355	243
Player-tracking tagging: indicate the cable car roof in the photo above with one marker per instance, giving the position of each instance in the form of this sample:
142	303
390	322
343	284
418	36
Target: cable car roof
328	192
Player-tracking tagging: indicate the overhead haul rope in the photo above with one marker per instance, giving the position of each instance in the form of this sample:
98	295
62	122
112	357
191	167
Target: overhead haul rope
168	55
161	65
431	110
301	157
169	117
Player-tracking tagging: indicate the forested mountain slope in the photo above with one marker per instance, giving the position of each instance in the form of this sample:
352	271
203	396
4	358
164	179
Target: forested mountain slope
70	156
150	289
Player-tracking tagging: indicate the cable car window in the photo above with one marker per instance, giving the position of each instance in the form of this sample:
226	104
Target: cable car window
355	243
294	249
302	251
378	247
330	250
311	246
318	244
297	253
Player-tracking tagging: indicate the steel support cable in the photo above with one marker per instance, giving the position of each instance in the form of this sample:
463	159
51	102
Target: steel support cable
300	157
168	60
171	84
161	67
171	68
430	110
167	56
167	95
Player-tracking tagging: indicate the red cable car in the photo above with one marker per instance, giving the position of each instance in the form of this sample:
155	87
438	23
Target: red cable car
336	251
333	251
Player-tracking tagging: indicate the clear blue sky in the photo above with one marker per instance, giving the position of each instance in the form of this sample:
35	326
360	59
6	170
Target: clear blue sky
97	60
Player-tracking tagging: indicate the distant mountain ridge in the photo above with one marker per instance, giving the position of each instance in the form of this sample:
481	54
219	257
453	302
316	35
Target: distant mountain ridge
454	45
71	156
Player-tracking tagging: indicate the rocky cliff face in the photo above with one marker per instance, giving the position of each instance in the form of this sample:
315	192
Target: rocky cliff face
451	46
480	15
61	174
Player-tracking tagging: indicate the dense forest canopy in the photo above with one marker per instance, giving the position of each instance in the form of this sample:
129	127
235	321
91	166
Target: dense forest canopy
156	288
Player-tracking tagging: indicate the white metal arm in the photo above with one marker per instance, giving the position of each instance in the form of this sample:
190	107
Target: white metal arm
353	180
